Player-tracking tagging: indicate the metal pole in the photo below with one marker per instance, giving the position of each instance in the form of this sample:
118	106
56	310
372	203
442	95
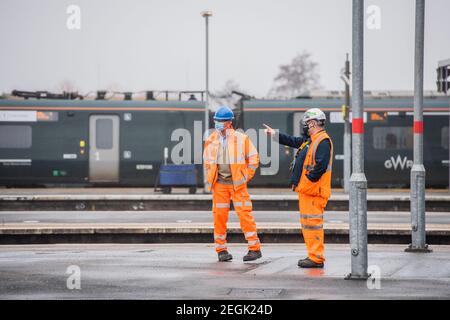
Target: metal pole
206	15
443	72
207	74
347	131
418	170
358	182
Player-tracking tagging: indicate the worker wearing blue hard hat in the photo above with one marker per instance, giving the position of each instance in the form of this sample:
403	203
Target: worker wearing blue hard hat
223	113
230	161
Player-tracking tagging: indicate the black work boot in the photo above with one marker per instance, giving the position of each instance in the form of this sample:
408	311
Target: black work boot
308	263
252	255
224	256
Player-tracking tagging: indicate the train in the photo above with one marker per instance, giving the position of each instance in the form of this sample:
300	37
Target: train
124	143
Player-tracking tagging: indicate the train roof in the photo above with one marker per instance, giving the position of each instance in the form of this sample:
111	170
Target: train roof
40	104
334	104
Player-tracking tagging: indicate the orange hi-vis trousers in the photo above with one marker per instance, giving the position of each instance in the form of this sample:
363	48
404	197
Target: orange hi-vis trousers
222	194
311	219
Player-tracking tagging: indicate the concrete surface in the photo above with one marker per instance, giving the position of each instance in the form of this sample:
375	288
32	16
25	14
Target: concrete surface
184	191
191	271
141	199
197	226
149	194
202	216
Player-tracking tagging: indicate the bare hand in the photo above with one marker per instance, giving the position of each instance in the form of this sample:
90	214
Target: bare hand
269	131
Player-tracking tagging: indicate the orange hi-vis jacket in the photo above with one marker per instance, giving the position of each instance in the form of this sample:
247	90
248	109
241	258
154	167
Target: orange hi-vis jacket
244	158
321	188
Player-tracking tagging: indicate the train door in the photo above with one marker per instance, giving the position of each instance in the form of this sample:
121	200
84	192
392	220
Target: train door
297	130
104	148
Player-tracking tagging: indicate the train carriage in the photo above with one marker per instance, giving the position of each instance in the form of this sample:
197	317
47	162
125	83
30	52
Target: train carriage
388	139
89	143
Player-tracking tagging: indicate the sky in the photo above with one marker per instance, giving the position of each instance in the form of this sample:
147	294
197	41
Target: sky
135	45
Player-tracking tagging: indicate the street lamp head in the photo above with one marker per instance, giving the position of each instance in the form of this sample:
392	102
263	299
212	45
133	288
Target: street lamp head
206	13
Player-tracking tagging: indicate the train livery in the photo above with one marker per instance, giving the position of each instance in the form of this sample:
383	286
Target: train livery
123	143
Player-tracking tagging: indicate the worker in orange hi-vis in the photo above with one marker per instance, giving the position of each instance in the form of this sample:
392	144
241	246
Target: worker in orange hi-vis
230	161
311	179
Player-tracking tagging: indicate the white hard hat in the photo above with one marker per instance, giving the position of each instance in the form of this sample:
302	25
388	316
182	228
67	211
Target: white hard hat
314	114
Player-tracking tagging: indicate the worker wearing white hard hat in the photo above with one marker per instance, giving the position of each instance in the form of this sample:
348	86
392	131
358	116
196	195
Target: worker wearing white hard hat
311	179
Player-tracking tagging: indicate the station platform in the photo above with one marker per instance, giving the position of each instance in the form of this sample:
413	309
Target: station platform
179	226
93	199
191	271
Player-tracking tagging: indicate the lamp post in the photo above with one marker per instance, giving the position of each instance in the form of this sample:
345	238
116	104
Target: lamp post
358	181
418	243
206	14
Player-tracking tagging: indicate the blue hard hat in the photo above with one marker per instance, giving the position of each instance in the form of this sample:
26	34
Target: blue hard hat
224	113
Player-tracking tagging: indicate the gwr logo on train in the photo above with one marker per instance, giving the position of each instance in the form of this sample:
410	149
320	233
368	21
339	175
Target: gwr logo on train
398	163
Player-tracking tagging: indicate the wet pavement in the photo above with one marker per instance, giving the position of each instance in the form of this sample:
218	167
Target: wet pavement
191	271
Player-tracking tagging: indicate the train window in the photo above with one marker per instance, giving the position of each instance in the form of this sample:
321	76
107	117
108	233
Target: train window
15	137
392	138
104	133
444	138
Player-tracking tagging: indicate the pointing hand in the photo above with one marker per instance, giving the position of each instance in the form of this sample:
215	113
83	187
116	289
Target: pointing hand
269	131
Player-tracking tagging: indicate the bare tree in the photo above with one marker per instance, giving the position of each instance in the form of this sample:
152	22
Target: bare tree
228	87
296	78
224	95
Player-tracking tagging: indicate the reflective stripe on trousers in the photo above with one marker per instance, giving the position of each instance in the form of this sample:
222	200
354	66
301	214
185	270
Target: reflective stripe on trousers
311	221
253	242
311	216
220	236
318	227
249	234
242	204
